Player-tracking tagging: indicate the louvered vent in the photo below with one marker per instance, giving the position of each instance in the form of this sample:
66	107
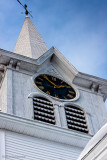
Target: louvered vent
43	110
76	119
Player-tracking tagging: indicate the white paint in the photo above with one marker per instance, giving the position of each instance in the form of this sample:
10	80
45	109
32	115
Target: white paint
2	145
9	91
3	95
57	115
35	148
30	42
96	147
63	116
43	130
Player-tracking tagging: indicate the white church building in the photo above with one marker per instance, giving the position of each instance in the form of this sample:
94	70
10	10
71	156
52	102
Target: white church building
48	109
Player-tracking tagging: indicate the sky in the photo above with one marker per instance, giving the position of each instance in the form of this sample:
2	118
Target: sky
77	28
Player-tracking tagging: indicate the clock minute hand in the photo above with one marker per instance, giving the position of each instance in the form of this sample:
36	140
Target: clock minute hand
50	81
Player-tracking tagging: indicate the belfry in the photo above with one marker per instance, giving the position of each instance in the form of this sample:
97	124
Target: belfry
48	109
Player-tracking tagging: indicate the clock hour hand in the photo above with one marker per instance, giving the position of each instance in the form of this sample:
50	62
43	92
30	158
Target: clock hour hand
61	86
56	86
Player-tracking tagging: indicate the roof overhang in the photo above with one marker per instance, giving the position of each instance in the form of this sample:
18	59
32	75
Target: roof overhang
96	84
42	130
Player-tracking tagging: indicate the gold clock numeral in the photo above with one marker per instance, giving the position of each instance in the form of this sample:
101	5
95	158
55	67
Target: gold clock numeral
69	95
62	82
56	96
40	79
71	91
48	92
54	78
68	86
41	87
38	82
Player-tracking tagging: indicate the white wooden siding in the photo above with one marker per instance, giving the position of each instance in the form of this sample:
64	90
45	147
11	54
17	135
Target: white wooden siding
24	147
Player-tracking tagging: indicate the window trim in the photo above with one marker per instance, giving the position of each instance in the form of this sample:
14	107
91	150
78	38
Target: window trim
82	109
39	95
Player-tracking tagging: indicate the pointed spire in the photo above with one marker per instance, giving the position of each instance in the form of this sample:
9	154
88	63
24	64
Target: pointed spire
30	42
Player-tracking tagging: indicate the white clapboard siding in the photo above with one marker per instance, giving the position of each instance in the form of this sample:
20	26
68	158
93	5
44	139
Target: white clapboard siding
24	147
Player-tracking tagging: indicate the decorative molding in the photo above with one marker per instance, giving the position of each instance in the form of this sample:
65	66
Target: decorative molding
63	116
104	97
37	94
10	63
89	82
2	67
42	130
57	115
18	66
96	87
93	87
99	88
2	73
80	79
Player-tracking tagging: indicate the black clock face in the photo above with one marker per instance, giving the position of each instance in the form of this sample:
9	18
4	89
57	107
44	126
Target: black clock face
54	87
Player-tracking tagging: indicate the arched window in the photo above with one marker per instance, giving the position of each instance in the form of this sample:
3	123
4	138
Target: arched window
75	118
43	110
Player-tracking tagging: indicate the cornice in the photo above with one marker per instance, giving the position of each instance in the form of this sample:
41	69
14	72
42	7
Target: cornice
95	84
42	130
53	56
22	62
92	78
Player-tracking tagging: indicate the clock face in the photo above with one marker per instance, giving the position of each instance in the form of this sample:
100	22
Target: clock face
54	87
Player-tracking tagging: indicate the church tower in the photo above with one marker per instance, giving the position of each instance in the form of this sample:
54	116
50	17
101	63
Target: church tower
48	109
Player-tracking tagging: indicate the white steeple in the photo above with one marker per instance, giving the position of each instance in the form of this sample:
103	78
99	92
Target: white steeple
30	42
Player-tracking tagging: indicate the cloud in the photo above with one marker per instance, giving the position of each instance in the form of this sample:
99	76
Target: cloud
77	28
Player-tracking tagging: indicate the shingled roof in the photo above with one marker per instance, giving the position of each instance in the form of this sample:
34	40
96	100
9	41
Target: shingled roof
30	42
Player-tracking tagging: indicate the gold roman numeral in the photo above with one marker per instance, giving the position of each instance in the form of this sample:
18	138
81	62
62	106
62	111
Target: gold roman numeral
56	96
54	78
41	87
71	92
40	78
38	82
69	95
62	82
48	92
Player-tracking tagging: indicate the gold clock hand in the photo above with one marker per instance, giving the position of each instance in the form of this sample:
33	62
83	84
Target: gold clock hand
61	86
50	81
56	86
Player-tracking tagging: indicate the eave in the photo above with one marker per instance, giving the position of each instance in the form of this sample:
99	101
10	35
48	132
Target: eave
96	84
42	130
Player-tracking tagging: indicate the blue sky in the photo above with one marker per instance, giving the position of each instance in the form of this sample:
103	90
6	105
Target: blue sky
77	28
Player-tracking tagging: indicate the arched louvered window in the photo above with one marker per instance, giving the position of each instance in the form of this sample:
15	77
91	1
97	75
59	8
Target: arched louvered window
43	110
76	119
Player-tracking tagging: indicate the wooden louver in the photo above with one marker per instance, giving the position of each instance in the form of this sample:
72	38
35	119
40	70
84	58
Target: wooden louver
76	119
43	110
